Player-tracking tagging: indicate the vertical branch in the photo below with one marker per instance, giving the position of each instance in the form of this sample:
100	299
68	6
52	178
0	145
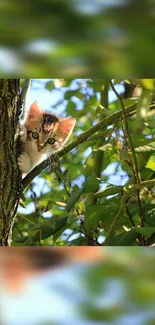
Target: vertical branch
24	96
134	165
115	220
99	155
129	140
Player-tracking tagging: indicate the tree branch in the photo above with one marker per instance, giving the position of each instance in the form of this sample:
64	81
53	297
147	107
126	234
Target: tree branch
120	212
77	141
24	95
134	164
136	173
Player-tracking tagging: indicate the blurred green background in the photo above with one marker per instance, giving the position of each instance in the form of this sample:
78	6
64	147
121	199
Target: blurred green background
77	38
118	290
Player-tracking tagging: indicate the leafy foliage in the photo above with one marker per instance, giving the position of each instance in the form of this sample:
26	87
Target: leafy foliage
101	192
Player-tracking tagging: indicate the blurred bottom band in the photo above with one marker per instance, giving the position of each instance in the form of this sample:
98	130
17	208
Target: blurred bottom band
77	285
19	263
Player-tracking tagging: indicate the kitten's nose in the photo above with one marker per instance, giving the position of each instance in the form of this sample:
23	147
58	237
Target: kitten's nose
40	146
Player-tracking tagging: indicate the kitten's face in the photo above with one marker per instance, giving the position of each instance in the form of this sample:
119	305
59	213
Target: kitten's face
46	132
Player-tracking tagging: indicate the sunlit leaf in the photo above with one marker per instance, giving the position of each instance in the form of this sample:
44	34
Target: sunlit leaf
151	163
146	231
146	148
110	190
148	83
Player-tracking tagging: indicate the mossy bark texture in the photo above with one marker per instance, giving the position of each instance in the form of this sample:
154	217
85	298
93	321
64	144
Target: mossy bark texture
9	173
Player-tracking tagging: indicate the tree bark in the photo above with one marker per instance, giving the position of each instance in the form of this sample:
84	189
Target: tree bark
10	179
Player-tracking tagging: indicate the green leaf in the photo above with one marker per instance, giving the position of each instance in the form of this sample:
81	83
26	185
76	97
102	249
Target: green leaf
149	214
148	84
59	232
151	163
126	238
142	107
94	213
92	185
124	155
68	94
50	85
95	85
93	101
147	148
99	213
100	110
110	190
78	94
70	108
48	227
146	231
74	197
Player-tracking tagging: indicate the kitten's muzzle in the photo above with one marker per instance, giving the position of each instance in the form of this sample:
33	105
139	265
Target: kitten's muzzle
40	146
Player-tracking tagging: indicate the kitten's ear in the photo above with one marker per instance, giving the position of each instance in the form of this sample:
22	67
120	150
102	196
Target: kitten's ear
66	126
35	112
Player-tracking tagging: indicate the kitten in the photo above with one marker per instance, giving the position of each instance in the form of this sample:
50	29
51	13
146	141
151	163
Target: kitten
41	134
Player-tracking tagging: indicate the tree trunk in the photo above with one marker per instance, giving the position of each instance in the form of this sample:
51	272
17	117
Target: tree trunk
9	173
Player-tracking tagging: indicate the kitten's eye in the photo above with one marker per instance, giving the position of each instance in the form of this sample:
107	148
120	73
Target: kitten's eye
51	141
35	135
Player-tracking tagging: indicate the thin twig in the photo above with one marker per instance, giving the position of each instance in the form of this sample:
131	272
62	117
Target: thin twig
134	166
129	215
128	139
90	238
115	220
